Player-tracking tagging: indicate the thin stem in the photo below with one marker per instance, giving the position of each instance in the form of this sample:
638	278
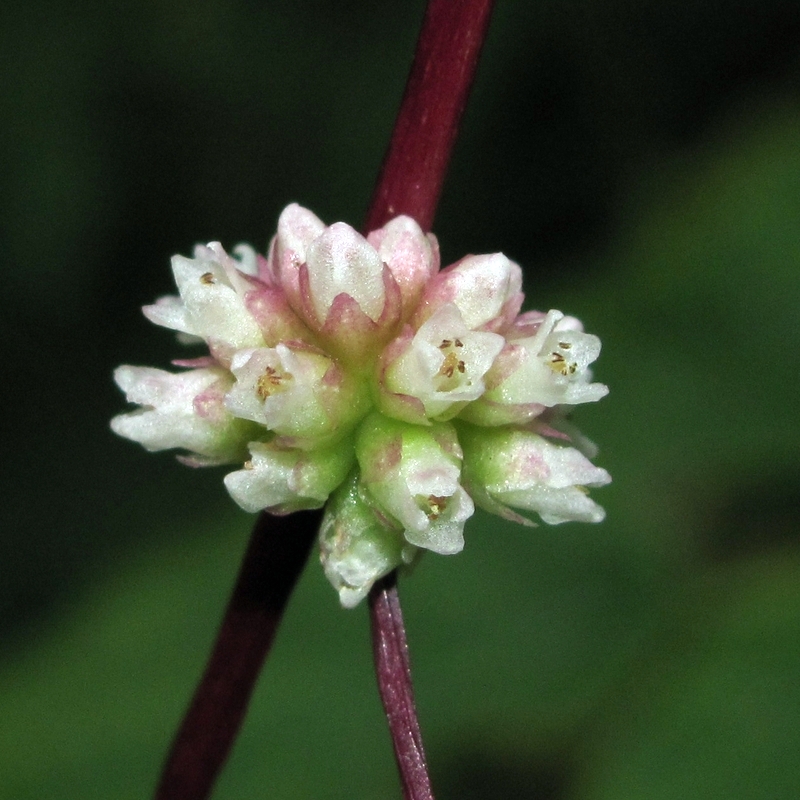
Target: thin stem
390	651
410	182
278	550
425	131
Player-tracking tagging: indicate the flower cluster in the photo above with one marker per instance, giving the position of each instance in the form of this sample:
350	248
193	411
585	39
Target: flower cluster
352	372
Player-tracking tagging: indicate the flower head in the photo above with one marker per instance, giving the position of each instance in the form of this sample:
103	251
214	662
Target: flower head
350	372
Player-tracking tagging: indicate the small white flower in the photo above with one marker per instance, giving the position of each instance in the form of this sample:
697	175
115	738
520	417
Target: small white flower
507	467
294	391
211	303
444	364
546	368
184	410
282	481
412	475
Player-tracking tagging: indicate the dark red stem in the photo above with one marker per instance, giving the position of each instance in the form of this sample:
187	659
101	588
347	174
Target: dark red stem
410	182
278	550
425	131
390	650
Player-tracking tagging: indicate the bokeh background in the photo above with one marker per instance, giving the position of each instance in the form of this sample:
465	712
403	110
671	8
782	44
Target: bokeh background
641	160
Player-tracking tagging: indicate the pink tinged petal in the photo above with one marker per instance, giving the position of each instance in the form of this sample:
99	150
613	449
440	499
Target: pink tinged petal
283	481
525	325
411	255
274	316
486	289
421	494
201	361
348	332
297	228
444	364
182	410
518	468
356	548
341	261
546	369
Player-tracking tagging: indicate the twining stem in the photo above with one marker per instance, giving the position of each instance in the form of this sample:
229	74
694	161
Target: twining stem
410	182
393	671
426	127
278	550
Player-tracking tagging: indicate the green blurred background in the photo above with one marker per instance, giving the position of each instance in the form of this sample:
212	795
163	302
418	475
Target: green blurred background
641	160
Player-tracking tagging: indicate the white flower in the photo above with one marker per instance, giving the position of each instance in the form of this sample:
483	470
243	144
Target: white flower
294	391
211	303
184	410
349	372
546	368
443	365
412	475
507	467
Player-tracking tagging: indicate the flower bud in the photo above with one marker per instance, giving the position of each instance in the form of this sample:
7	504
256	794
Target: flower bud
486	289
510	467
411	474
356	548
282	481
184	410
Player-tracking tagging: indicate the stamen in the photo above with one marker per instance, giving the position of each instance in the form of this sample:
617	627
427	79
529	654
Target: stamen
207	278
450	365
437	506
270	382
560	365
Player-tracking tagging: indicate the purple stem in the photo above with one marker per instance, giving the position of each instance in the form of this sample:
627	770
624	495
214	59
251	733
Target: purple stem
393	671
436	93
278	550
410	182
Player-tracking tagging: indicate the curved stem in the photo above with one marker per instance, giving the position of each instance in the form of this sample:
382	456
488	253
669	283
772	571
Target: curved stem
410	182
278	550
436	93
392	668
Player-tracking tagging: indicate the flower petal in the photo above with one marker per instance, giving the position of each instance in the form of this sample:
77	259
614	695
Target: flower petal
282	481
507	467
355	547
183	410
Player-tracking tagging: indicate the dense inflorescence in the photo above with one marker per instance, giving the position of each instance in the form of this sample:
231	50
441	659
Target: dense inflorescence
353	372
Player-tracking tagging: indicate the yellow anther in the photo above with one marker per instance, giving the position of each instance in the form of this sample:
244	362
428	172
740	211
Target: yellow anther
269	383
437	506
